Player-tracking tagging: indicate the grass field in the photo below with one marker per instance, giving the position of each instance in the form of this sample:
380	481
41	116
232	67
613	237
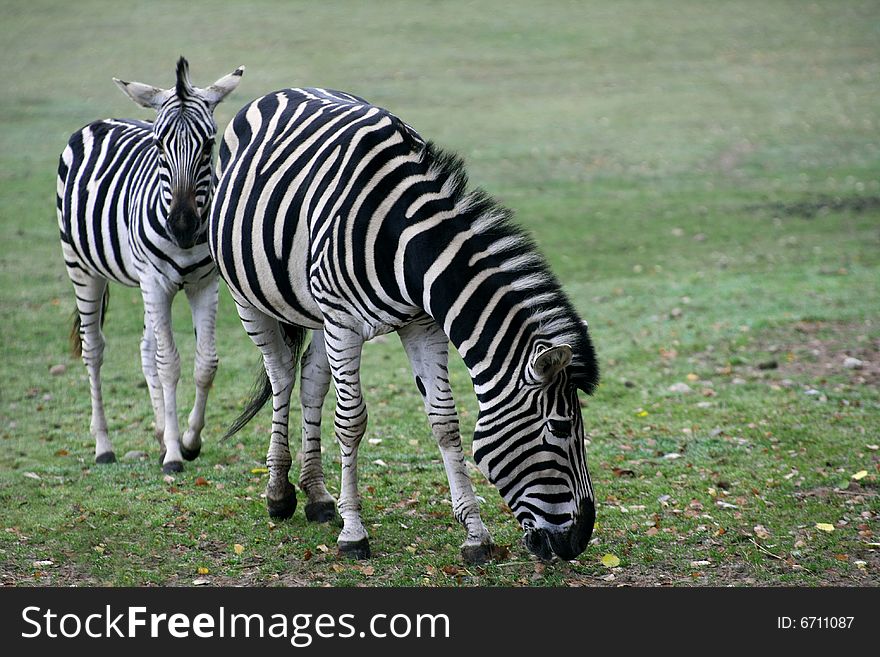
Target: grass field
704	178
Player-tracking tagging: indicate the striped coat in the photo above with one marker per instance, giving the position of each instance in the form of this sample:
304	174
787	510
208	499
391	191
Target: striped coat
332	214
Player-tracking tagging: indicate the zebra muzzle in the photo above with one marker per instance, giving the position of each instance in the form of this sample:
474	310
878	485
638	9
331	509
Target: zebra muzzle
184	222
565	544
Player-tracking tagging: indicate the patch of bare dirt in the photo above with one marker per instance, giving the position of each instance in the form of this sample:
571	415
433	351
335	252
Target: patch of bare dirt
816	350
820	206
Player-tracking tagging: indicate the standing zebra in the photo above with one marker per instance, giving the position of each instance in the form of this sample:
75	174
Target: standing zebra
133	201
332	214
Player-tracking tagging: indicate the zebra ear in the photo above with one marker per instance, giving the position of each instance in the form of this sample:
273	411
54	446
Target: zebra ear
222	87
549	362
143	94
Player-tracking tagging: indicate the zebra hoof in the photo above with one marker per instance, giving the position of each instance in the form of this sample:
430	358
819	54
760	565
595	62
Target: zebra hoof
282	509
172	466
354	549
190	454
106	457
474	555
320	511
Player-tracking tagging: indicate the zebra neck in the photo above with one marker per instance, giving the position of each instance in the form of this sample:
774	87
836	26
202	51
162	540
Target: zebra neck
495	299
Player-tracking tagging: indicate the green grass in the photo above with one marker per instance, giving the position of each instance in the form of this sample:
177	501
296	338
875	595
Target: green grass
703	177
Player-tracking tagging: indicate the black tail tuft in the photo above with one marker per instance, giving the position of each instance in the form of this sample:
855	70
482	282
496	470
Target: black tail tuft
75	337
295	338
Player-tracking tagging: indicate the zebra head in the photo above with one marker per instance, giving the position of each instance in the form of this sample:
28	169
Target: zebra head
183	136
531	447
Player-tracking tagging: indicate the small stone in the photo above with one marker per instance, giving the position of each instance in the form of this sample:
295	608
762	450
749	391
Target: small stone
851	363
135	455
58	370
680	387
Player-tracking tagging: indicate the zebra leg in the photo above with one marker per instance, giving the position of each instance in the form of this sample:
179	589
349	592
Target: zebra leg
151	374
203	304
89	303
344	348
428	350
157	302
267	334
314	385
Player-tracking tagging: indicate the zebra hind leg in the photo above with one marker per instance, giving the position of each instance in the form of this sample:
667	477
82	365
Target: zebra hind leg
344	348
314	385
91	302
428	350
280	367
203	303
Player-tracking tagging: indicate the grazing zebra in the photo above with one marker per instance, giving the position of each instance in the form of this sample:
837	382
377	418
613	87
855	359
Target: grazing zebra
332	214
133	201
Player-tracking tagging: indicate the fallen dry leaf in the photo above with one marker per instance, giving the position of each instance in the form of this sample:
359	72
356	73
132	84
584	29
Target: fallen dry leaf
201	481
238	548
203	571
259	470
861	474
450	570
64	452
323	548
825	526
610	561
201	582
501	552
368	571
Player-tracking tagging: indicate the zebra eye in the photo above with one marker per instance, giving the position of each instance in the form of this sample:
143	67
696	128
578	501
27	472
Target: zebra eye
560	428
208	147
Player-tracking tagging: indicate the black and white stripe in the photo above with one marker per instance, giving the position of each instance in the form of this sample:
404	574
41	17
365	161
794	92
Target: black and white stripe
332	214
133	199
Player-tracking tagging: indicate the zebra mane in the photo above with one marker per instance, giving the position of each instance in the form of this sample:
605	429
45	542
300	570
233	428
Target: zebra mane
183	86
517	251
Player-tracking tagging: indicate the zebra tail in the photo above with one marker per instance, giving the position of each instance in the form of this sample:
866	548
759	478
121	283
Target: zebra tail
295	338
75	336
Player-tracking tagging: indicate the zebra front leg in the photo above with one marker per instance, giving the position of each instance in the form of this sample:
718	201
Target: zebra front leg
90	306
151	374
344	348
278	361
157	302
203	304
314	385
428	350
